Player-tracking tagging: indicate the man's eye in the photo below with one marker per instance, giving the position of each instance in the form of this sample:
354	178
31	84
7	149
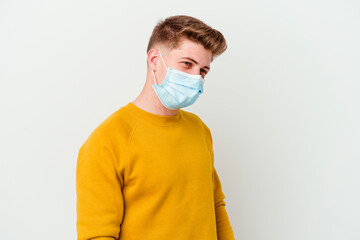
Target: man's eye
203	71
187	63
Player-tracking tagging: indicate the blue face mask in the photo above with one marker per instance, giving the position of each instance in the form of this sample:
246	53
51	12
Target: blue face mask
179	89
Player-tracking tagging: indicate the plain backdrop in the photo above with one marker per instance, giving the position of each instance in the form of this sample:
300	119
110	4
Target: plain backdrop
282	104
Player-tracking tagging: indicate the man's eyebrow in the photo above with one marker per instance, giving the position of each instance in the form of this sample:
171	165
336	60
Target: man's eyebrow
207	67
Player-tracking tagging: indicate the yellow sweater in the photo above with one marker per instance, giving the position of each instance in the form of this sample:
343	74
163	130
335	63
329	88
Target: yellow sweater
143	176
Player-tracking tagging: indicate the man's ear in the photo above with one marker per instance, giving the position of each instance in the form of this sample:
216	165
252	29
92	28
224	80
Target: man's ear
152	59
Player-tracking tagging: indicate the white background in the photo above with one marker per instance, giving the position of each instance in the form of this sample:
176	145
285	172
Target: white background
282	104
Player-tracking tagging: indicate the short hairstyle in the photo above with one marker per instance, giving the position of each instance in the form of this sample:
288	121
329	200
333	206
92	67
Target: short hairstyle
172	30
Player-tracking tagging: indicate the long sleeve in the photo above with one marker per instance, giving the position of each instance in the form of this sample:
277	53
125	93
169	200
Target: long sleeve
100	205
224	229
223	226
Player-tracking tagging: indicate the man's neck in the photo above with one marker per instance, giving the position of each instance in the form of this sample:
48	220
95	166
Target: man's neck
149	101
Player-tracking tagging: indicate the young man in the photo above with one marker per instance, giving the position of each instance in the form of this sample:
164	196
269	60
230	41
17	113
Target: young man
147	171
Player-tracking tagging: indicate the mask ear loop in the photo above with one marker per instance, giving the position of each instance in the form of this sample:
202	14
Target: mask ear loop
162	60
154	76
164	65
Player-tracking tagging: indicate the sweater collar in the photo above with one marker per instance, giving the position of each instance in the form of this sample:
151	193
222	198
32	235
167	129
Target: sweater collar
155	118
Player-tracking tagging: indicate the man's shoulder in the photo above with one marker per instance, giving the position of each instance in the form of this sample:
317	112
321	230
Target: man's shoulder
191	116
196	119
115	126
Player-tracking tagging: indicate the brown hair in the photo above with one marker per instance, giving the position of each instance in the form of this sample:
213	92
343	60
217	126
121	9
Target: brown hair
170	32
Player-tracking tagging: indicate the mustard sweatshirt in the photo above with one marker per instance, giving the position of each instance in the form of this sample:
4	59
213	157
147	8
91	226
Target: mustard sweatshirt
143	176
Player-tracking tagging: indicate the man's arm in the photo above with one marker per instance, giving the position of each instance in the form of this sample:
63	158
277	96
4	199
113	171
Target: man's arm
224	229
100	206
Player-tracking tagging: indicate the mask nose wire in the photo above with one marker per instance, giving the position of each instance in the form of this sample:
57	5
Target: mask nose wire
164	65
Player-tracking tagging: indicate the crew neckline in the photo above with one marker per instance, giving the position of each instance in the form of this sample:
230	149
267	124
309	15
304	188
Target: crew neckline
155	118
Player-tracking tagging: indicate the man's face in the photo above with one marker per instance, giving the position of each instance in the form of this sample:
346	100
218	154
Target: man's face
189	57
